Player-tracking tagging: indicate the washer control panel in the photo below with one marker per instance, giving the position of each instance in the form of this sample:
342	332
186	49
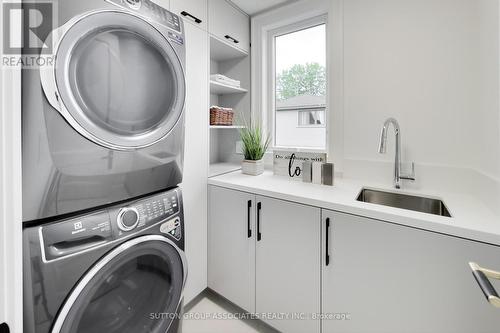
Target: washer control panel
158	208
160	213
143	213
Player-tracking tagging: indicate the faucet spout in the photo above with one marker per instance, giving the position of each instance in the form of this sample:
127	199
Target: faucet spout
383	149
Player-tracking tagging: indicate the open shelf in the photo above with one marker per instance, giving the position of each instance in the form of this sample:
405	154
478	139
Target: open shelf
232	62
223	89
226	127
217	169
222	51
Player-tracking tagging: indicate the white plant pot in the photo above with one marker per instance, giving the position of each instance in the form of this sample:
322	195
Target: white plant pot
253	168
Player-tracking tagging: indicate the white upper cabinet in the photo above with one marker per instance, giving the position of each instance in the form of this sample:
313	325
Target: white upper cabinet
193	11
229	24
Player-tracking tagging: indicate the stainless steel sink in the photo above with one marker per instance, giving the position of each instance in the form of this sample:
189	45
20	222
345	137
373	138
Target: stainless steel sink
404	201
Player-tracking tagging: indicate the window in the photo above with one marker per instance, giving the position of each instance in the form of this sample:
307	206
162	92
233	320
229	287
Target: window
313	118
300	85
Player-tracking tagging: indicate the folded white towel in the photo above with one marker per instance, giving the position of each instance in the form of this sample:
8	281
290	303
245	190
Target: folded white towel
225	80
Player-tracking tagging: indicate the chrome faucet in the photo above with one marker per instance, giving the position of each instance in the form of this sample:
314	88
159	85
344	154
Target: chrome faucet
382	149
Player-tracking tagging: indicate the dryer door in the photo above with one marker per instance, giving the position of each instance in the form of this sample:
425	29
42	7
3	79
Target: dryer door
116	79
137	287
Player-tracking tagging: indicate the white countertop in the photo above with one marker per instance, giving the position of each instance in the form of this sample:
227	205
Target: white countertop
471	218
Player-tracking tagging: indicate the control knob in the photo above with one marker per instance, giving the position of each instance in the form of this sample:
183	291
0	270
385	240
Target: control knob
127	219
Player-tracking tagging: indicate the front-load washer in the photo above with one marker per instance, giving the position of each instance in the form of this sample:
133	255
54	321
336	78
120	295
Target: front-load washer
116	270
104	121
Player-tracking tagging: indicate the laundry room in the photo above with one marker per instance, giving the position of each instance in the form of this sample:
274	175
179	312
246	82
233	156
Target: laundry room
250	166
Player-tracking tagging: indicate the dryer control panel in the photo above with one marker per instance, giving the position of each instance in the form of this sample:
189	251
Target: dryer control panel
151	10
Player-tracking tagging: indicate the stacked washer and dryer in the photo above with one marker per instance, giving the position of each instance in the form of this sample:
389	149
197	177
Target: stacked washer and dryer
103	140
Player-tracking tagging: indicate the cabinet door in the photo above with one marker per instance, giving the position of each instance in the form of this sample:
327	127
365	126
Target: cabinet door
194	185
229	24
288	264
231	263
193	11
389	278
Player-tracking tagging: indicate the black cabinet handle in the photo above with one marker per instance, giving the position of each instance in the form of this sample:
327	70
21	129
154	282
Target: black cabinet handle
197	20
259	235
249	209
481	275
232	38
4	328
327	255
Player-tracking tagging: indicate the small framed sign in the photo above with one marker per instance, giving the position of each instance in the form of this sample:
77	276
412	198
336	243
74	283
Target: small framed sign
289	163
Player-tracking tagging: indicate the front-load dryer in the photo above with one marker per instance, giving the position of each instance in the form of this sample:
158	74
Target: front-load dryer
104	122
115	270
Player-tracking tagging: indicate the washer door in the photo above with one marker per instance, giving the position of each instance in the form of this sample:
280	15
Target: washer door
137	287
117	80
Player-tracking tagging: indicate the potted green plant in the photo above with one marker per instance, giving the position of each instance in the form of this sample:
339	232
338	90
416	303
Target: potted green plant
254	148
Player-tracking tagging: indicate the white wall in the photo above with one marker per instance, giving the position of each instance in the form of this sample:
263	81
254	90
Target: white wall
431	64
434	66
10	197
420	62
3	267
488	115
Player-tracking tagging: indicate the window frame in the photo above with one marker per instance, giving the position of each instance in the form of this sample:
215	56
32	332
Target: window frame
271	78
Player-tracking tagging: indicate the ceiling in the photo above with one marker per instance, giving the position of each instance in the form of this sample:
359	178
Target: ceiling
252	7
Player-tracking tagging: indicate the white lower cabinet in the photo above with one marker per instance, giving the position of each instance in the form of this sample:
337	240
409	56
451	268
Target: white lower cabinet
277	258
390	278
288	265
264	256
231	252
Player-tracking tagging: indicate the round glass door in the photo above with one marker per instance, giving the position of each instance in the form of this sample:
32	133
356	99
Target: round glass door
135	290
120	80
